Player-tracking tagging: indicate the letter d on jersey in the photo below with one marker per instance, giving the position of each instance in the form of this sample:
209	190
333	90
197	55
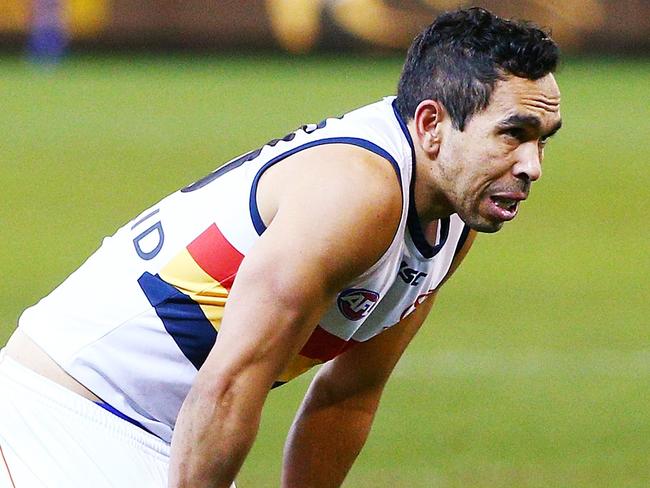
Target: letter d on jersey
150	241
356	303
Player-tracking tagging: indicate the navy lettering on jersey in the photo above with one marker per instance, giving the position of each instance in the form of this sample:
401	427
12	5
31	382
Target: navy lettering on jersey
149	242
410	276
153	250
236	163
221	170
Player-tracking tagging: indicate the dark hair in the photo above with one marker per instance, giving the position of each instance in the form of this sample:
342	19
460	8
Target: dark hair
460	56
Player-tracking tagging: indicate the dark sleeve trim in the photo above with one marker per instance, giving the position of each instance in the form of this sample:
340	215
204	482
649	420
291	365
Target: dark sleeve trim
354	141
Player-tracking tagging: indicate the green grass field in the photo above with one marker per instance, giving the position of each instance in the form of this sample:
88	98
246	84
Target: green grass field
534	368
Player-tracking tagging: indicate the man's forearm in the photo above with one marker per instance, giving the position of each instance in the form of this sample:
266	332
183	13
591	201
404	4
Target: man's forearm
213	434
326	437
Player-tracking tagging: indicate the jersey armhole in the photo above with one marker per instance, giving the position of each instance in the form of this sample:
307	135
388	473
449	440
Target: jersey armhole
256	218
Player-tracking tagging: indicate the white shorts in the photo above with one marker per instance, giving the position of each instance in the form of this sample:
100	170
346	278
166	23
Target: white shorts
51	437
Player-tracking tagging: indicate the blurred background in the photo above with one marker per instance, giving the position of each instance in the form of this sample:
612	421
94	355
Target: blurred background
534	368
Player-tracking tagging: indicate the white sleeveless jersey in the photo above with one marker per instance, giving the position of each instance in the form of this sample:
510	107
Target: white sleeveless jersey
138	318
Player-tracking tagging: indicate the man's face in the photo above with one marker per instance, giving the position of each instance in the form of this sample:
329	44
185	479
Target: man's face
487	169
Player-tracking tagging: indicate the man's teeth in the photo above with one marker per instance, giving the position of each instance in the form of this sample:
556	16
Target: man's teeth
505	203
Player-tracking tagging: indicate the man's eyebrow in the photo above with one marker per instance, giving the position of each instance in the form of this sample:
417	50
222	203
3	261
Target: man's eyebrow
519	120
554	129
528	121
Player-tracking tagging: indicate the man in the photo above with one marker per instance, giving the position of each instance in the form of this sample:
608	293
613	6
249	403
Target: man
326	246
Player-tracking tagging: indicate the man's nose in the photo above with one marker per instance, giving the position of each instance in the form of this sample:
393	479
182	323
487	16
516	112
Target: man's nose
529	164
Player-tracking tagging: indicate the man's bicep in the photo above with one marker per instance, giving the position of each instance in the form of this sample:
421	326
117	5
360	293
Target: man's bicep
338	205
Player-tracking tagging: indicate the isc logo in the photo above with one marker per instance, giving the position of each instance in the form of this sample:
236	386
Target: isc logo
410	276
356	303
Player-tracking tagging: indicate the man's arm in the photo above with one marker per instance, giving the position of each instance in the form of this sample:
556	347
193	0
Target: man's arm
333	198
334	420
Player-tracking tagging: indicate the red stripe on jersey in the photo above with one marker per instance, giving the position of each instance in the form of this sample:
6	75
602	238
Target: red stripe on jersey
216	256
325	346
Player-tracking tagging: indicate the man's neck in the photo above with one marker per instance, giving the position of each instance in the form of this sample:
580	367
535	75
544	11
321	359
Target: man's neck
430	203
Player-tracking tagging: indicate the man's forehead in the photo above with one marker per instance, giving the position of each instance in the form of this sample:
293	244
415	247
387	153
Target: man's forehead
539	98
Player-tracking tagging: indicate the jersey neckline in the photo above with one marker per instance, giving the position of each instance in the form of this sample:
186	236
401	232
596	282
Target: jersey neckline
413	220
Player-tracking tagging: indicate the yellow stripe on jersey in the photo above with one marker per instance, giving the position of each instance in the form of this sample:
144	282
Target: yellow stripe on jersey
186	275
298	365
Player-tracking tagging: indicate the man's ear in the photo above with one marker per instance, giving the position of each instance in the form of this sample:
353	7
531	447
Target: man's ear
427	119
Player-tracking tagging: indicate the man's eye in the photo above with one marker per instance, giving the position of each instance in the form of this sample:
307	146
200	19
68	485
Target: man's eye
514	133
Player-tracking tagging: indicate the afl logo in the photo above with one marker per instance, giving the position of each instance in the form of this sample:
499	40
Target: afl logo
356	303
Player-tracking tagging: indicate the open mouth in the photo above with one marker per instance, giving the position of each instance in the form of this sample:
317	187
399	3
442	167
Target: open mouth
508	204
504	206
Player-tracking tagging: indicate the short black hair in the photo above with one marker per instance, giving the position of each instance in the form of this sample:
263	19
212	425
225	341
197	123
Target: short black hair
459	57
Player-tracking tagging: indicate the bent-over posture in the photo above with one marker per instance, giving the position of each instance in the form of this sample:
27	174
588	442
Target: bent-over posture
149	366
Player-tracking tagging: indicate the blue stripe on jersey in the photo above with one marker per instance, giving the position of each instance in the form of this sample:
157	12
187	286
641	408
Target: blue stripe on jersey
354	141
182	317
119	414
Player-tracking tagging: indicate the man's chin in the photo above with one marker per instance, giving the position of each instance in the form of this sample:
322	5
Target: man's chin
483	225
